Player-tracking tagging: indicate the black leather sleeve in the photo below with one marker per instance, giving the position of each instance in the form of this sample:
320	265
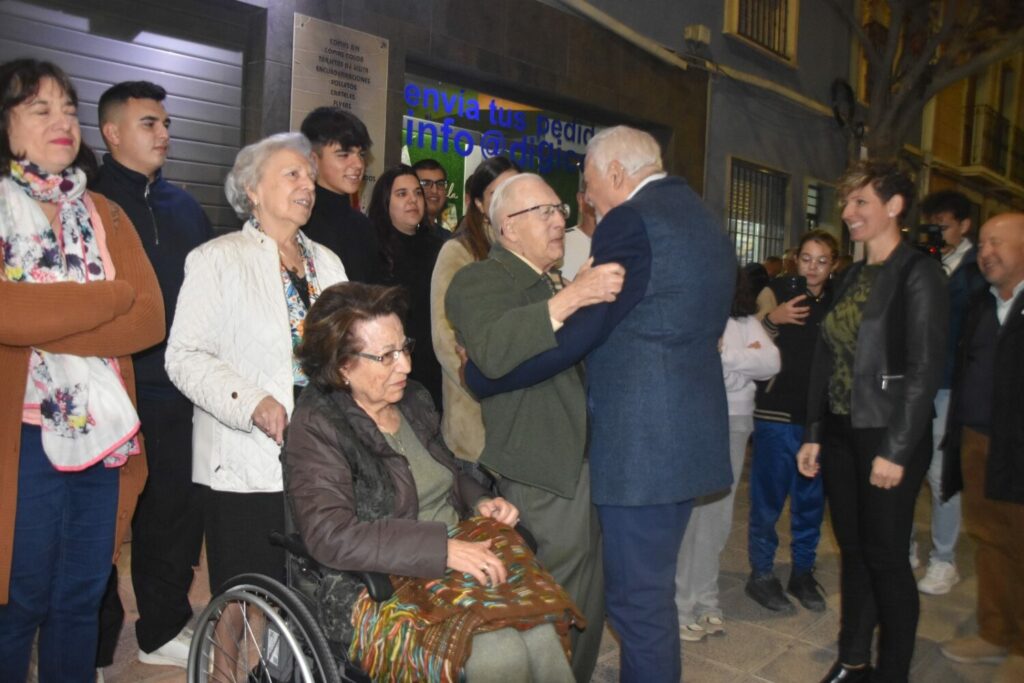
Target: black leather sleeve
926	321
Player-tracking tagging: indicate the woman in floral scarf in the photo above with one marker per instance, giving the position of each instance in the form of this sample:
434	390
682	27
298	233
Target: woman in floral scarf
78	297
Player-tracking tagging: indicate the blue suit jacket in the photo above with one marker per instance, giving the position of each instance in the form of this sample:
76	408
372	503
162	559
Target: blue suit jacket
660	425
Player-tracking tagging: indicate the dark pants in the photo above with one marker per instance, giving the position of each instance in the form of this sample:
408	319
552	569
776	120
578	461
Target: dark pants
167	530
63	543
872	526
641	548
773	478
167	533
996	528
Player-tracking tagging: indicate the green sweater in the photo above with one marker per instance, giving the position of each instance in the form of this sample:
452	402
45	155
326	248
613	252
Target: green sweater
498	308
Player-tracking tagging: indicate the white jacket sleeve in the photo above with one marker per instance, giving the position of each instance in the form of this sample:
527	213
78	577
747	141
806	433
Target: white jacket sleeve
194	345
740	362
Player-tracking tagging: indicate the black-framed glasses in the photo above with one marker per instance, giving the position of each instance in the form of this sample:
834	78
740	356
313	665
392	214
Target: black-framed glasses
547	211
439	184
388	358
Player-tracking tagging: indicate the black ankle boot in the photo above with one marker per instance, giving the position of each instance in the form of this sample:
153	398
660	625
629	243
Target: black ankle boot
840	674
766	590
805	588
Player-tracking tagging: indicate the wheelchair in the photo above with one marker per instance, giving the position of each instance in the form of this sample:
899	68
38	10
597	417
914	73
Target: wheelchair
278	639
274	636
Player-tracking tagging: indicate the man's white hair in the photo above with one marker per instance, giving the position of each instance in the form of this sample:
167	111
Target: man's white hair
503	194
634	149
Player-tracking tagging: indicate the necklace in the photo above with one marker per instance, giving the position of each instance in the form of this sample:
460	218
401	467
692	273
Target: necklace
394	439
816	299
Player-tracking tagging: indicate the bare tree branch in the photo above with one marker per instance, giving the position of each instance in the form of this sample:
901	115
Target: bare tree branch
925	58
1007	46
881	91
844	11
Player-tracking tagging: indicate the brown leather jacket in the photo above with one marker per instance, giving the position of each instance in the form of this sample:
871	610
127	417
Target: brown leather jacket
353	497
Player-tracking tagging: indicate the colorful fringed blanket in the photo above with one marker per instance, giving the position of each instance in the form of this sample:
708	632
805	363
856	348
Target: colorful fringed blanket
424	632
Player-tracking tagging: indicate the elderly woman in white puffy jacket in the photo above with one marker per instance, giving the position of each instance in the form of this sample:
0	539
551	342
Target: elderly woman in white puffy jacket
748	355
239	317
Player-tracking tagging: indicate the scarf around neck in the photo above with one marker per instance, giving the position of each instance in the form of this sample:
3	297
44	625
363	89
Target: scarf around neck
85	412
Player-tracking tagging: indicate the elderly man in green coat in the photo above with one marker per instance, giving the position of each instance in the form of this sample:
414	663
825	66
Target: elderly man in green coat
505	310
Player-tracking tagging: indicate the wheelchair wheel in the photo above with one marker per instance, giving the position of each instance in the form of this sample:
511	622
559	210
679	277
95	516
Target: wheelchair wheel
256	630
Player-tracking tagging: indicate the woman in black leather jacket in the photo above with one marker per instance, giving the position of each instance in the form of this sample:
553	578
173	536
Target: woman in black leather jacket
876	368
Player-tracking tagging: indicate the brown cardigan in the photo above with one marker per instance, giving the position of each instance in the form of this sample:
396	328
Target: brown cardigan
107	318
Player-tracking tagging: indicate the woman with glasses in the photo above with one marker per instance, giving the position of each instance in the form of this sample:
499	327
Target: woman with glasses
461	423
374	488
791	309
877	366
240	315
408	252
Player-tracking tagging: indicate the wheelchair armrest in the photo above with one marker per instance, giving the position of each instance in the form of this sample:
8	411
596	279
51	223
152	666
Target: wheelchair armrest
378	584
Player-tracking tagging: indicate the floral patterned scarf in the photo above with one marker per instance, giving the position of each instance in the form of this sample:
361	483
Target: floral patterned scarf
85	413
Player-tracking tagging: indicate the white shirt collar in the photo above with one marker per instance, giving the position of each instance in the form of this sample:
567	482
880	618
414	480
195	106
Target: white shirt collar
649	179
1003	306
951	261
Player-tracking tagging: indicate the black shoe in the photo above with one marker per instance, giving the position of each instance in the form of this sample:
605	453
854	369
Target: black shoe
805	588
840	674
766	590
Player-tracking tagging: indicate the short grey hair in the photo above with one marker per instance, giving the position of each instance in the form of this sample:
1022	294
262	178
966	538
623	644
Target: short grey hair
632	148
248	168
505	192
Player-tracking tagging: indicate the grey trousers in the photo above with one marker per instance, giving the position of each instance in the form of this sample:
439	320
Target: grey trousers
569	546
706	534
511	656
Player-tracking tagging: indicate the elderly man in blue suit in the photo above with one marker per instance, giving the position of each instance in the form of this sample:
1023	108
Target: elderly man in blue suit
659	435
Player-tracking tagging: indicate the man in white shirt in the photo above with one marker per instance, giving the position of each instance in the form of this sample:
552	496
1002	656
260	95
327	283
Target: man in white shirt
986	432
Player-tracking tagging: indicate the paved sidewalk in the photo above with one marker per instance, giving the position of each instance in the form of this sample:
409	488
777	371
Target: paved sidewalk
757	646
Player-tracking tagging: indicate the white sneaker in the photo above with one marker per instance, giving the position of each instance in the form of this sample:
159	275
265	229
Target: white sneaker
712	624
914	562
172	653
692	633
939	579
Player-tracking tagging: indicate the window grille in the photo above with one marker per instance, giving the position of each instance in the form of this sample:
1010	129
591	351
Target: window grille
765	22
757	211
813	206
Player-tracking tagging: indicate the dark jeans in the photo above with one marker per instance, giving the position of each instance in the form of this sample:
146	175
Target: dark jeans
872	526
63	544
641	549
773	478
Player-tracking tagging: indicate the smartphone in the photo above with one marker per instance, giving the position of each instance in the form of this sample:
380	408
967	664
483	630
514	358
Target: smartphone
793	286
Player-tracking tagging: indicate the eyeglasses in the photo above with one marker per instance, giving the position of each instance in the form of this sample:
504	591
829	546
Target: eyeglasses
388	358
823	261
439	184
547	211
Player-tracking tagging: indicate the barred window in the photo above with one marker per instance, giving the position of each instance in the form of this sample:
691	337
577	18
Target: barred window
757	211
770	24
813	201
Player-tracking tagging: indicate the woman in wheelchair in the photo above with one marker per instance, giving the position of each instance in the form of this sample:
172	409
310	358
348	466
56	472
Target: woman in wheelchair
373	488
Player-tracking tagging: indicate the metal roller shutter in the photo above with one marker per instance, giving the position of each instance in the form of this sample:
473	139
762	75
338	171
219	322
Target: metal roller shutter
203	82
